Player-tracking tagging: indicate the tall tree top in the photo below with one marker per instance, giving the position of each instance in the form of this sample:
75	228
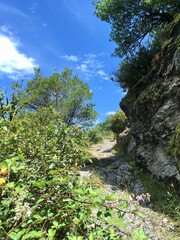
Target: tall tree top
134	20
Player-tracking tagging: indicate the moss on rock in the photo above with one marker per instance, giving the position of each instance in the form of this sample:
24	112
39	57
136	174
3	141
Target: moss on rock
174	144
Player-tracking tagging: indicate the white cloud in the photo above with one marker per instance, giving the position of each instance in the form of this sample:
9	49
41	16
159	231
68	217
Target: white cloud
92	67
110	113
72	58
12	61
101	73
83	67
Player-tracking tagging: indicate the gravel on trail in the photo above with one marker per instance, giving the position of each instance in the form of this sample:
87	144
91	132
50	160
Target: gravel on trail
120	179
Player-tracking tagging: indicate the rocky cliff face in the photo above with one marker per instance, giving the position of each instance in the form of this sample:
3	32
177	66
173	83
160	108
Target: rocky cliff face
153	109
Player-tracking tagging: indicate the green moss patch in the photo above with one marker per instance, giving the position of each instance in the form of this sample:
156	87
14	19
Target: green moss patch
174	144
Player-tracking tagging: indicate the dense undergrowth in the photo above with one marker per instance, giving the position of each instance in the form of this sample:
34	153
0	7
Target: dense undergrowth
41	195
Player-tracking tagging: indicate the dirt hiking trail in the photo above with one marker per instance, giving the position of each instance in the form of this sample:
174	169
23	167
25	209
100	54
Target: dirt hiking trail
119	178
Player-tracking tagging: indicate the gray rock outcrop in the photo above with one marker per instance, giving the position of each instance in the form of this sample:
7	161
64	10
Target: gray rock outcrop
153	109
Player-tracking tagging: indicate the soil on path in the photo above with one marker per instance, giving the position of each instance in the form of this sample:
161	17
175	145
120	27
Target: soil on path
119	178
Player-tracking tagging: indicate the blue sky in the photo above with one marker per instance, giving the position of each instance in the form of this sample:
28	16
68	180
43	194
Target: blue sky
53	34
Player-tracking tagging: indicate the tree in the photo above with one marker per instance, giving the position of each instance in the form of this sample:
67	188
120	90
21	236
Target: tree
133	20
66	93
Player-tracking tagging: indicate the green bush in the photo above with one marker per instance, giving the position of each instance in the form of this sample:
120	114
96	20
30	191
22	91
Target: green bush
95	135
134	68
42	196
118	122
41	160
100	131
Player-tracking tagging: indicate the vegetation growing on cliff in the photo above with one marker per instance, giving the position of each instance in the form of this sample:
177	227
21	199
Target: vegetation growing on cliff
139	28
133	20
134	68
174	144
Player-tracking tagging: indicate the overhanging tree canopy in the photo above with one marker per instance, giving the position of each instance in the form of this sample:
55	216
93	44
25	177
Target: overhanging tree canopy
133	20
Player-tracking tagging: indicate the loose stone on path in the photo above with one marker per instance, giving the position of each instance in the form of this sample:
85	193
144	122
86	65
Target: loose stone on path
120	179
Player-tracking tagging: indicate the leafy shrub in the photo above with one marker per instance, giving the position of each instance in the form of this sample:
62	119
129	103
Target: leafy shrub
42	196
42	159
100	131
134	68
95	135
118	122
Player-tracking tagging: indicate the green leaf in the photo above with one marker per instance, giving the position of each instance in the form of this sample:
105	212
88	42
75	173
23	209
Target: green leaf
79	191
40	183
16	169
91	236
32	234
55	224
36	216
111	197
16	235
94	192
10	185
6	203
139	234
3	165
51	233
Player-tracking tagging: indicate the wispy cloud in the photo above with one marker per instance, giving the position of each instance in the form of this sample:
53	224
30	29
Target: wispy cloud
33	7
12	62
72	58
8	9
92	67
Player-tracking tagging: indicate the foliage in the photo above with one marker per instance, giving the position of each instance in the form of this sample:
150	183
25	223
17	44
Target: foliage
64	92
105	125
7	110
174	144
118	122
41	194
133	69
100	131
95	135
134	21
